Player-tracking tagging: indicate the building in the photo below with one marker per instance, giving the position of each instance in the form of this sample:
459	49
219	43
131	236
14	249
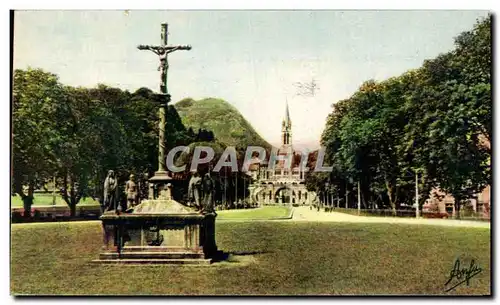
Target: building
479	206
442	203
282	184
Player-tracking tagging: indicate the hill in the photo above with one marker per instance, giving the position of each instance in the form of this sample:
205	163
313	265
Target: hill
224	120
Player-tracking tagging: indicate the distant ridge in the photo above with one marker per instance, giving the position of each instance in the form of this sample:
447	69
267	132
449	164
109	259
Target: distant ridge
225	121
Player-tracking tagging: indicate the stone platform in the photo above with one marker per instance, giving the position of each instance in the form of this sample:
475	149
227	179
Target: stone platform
160	231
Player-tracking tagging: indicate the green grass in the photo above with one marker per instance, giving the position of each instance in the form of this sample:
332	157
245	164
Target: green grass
46	199
267	212
464	214
285	257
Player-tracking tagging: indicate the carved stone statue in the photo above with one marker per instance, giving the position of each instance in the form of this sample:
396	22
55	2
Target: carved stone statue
168	191
195	189
110	191
208	193
131	190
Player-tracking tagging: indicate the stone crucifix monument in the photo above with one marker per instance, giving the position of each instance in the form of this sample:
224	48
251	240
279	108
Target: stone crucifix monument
159	229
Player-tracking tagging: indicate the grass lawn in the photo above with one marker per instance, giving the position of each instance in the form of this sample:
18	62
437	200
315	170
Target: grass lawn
46	199
266	212
283	257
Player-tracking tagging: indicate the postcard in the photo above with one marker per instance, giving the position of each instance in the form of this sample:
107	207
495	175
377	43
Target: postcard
249	153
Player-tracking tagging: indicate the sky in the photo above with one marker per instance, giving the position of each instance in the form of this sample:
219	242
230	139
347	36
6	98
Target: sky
252	59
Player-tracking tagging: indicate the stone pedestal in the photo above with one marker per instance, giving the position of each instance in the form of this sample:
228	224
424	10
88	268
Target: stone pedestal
158	185
160	231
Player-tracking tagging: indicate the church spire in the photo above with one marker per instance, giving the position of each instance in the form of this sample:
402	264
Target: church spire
287	115
286	129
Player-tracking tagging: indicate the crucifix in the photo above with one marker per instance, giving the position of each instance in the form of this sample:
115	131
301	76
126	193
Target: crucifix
164	97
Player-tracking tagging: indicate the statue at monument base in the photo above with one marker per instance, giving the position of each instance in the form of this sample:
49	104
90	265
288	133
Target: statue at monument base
110	192
162	230
195	189
208	194
131	190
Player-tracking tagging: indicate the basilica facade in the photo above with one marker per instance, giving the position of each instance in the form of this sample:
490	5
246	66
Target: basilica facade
280	184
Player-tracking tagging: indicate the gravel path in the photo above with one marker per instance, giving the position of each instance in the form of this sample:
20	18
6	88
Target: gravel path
305	214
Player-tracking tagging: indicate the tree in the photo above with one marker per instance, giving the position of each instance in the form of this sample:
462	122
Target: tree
434	121
37	99
452	128
472	64
369	136
78	134
95	140
111	129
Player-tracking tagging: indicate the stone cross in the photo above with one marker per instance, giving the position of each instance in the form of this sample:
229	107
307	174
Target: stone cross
164	97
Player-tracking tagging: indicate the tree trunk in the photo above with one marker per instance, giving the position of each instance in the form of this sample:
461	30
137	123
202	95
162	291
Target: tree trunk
26	198
363	199
27	203
346	197
390	195
457	204
459	199
70	196
424	193
72	208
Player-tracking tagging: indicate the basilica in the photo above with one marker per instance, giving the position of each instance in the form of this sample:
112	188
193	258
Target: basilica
281	184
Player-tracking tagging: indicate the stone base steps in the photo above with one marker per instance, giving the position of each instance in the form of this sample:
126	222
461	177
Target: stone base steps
157	249
150	255
176	261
